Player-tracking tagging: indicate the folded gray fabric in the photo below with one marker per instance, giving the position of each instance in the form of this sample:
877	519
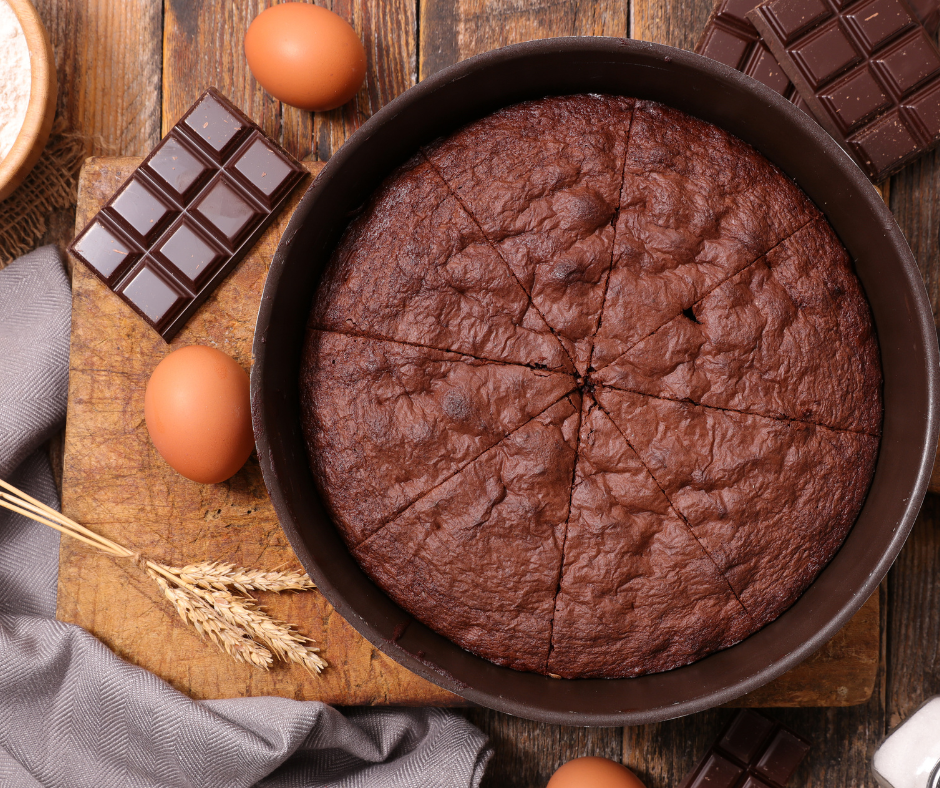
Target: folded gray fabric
35	315
73	714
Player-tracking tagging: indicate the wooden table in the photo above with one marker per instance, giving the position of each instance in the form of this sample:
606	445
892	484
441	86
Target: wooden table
128	69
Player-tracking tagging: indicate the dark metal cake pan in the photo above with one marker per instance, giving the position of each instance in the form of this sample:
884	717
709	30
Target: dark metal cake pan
787	137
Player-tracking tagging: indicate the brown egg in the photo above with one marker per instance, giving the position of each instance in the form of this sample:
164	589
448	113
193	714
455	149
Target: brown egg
198	413
305	56
594	773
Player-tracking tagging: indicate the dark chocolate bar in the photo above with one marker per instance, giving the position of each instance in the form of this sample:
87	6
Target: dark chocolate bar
731	39
753	752
868	70
192	210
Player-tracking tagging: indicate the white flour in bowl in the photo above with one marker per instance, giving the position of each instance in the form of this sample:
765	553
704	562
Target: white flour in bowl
14	78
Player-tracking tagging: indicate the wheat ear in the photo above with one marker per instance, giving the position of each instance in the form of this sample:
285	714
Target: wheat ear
208	623
281	638
220	577
200	593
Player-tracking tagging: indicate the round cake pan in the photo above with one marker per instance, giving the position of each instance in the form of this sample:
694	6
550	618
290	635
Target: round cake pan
787	137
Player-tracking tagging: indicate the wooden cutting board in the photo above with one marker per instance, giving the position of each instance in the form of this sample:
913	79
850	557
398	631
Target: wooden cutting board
115	483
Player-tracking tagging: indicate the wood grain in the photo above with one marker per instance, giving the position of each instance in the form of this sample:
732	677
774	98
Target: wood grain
678	23
527	753
915	206
388	29
919	219
115	483
108	60
913	622
934	484
204	45
842	673
453	30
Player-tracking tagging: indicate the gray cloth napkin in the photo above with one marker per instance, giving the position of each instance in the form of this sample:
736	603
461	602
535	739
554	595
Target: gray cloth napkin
73	714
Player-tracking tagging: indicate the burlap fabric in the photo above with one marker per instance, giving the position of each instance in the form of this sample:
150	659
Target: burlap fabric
50	187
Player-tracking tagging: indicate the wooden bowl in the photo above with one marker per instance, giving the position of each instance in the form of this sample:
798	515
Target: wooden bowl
40	111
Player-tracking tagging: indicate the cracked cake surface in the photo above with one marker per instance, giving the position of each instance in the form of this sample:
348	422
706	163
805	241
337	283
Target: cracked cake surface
591	388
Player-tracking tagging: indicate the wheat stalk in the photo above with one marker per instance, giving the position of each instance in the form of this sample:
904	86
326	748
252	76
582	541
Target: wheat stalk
201	593
214	575
281	638
208	623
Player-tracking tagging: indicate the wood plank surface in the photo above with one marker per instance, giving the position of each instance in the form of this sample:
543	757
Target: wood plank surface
109	62
115	483
112	87
388	29
920	217
453	30
203	45
913	621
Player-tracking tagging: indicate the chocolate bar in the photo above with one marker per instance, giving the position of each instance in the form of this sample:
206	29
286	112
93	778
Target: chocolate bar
868	71
189	213
753	752
731	39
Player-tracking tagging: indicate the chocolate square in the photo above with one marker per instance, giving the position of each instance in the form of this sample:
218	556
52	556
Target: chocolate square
113	254
177	167
855	99
879	20
189	252
260	167
765	69
825	54
923	111
909	62
745	737
152	293
141	209
217	124
227	210
790	18
782	757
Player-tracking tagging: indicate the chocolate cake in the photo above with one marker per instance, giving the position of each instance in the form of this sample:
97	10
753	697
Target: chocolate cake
591	388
